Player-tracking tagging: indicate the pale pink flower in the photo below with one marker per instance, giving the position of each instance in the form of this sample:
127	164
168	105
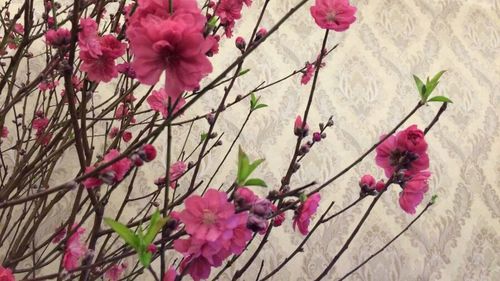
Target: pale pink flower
170	274
413	192
6	274
115	272
210	217
176	171
159	102
303	215
58	37
75	249
406	151
336	15
47	85
88	38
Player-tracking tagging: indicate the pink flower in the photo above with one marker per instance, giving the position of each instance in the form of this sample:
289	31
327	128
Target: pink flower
175	43
40	124
297	129
367	181
58	38
114	273
111	174
244	197
75	249
303	215
278	219
113	132
170	274
5	132
210	217
6	274
152	248
159	102
149	152
100	66
406	150
176	171
47	85
19	28
127	136
308	74
413	191
333	14
61	233
127	69
229	10
88	38
213	41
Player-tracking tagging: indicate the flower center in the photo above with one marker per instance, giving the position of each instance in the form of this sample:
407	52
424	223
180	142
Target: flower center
208	217
330	16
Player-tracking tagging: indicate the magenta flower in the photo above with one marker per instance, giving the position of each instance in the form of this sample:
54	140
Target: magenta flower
244	197
209	217
6	274
335	15
75	249
159	102
303	215
229	11
175	43
413	192
406	150
278	219
297	128
88	38
40	123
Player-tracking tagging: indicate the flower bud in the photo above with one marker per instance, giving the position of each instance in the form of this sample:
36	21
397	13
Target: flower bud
261	33
240	43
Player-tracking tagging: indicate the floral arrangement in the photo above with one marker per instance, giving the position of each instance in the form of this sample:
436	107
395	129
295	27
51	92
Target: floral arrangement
157	55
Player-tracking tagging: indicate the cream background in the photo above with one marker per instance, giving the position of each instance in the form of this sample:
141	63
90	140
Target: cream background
367	87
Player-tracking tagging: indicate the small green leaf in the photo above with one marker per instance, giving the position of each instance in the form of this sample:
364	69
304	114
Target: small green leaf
433	199
440	99
302	197
432	84
260	106
253	166
212	22
124	232
145	258
203	137
436	77
244	71
155	225
255	182
420	85
243	166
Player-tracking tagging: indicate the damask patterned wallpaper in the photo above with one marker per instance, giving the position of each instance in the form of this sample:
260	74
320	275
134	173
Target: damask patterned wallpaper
367	86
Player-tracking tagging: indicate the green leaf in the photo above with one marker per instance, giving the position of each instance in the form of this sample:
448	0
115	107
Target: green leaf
432	84
436	77
244	71
124	232
203	137
420	85
212	22
145	258
155	225
433	199
260	106
255	182
440	99
243	166
253	166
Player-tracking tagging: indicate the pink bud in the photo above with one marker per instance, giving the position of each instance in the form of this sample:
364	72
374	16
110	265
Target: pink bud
149	152
240	43
152	248
261	33
127	136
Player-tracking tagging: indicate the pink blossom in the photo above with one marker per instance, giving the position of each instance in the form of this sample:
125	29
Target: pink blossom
126	69
5	132
261	33
111	174
379	186
229	10
336	15
241	235
113	132
300	128
307	74
58	38
19	28
101	66
152	248
88	38
159	102
303	215
127	136
40	123
121	111
367	181
213	41
6	274
175	43
149	152
61	233
413	192
176	171
47	85
115	272
75	249
406	150
170	274
279	218
244	197
240	43
210	217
